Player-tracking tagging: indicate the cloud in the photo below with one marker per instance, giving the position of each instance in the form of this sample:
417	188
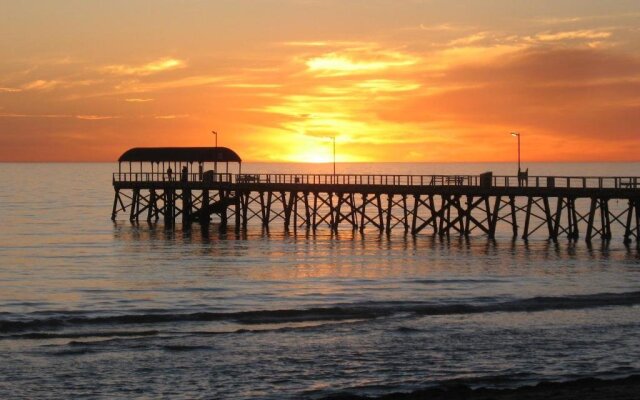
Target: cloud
618	17
138	100
50	84
323	43
95	117
545	65
470	39
387	85
358	62
587	34
67	116
136	86
440	27
41	84
161	65
558	20
172	116
451	57
18	115
9	90
253	85
570	102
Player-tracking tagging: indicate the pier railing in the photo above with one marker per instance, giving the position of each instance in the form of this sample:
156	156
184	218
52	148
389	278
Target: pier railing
164	177
626	182
445	180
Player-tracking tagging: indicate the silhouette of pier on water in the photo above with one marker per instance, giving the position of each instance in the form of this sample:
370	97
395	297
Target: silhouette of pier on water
187	184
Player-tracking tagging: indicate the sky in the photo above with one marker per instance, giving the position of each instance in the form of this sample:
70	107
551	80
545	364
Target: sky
390	80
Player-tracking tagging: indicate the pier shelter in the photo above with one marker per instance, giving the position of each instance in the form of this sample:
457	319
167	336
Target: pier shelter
191	182
168	163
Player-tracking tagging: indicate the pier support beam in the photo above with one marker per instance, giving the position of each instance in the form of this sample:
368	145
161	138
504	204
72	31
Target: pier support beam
319	213
599	207
169	207
449	220
431	219
377	220
392	219
186	207
135	201
632	226
117	205
566	205
538	210
305	214
350	216
471	222
205	209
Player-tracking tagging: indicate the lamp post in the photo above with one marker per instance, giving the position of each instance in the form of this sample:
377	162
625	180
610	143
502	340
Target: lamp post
215	163
517	134
334	155
216	135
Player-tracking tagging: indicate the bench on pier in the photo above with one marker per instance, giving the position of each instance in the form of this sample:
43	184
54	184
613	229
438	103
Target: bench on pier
629	183
248	178
447	180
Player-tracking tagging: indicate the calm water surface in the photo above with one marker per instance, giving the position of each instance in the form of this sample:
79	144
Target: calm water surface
89	308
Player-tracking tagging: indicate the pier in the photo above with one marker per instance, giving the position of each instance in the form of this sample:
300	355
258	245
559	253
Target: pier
187	185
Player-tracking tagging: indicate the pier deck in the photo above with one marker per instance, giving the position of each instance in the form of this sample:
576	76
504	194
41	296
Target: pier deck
589	207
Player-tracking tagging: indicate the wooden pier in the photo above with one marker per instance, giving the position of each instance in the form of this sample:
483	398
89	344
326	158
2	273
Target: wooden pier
571	207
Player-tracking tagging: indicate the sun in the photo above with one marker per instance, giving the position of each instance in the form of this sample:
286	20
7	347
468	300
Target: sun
315	154
316	151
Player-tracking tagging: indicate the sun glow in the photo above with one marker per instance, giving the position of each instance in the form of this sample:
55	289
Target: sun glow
310	156
319	155
314	149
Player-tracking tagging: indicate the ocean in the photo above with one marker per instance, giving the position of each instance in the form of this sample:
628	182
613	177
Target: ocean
90	308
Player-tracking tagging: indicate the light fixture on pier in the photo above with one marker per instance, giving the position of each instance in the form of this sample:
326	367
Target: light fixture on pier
517	134
216	135
334	155
215	163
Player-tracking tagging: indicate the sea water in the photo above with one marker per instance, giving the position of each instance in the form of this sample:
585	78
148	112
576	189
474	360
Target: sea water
95	309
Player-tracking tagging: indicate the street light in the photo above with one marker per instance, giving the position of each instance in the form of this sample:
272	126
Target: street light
334	155
215	163
216	134
517	134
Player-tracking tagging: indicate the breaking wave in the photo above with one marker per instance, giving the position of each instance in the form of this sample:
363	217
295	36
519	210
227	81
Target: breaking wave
356	311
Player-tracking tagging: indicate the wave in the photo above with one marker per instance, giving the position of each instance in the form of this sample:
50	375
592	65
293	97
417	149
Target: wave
455	281
135	334
73	352
357	311
76	335
179	348
493	388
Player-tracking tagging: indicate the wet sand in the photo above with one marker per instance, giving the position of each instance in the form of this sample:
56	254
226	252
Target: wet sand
582	389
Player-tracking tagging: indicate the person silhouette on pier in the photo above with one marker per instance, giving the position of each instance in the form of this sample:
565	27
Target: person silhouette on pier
185	174
169	173
523	177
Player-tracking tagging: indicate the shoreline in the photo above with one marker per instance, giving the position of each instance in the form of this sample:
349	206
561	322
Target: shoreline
585	388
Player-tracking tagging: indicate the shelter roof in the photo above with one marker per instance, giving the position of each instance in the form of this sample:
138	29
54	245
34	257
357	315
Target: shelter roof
183	154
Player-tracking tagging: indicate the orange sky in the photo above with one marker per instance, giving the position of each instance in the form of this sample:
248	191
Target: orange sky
414	80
